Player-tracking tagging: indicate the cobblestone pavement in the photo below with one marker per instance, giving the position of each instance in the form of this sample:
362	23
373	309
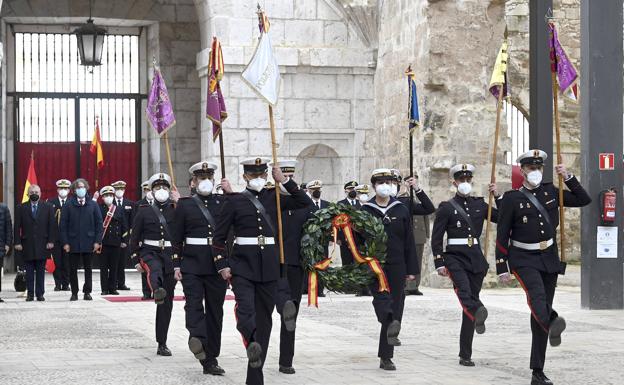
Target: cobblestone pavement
62	342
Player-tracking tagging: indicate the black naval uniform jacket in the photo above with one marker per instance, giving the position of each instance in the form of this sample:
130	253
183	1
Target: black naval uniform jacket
190	222
519	220
293	221
253	262
425	207
118	229
347	203
147	226
449	221
128	208
401	248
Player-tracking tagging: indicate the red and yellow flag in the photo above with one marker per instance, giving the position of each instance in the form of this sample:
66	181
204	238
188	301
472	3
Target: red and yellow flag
96	145
31	178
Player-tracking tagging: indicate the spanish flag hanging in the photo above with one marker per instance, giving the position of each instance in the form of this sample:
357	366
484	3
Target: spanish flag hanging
31	178
96	145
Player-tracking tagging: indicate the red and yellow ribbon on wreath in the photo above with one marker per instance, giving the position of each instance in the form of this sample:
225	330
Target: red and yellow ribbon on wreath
343	222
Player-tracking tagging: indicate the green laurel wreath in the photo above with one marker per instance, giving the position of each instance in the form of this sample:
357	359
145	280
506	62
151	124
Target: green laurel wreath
317	235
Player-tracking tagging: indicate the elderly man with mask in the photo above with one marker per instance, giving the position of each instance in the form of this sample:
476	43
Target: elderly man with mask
153	252
253	266
35	234
526	246
193	230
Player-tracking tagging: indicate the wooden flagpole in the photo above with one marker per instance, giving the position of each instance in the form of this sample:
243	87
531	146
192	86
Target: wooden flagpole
277	188
166	136
555	89
221	153
499	108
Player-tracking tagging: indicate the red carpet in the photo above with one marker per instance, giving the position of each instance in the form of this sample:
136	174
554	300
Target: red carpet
129	298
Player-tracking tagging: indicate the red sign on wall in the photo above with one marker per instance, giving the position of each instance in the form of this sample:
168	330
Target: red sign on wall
606	161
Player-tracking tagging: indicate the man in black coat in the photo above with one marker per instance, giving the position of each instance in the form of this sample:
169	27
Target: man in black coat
114	241
81	235
314	190
204	289
253	266
526	245
6	235
461	219
293	221
35	233
154	253
61	259
128	208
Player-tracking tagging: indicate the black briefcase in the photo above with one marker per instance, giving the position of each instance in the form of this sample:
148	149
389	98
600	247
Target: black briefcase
20	282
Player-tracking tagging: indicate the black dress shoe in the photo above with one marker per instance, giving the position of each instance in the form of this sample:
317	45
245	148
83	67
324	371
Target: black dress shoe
393	333
480	316
113	292
322	295
159	296
197	348
104	293
123	287
212	367
286	369
30	298
1	300
398	342
40	299
386	364
418	292
254	355
466	362
163	350
289	315
87	297
65	288
74	297
57	288
539	378
146	297
557	326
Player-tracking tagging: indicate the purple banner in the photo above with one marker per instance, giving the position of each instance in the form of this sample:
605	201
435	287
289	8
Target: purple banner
159	110
567	76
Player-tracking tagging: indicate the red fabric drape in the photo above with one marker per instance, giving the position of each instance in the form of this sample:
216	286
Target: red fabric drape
54	161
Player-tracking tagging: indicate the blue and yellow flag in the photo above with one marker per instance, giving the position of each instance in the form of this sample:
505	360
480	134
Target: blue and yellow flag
413	114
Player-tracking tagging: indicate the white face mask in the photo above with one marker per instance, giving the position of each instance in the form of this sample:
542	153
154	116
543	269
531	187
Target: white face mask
205	187
363	198
161	195
108	200
464	188
63	193
383	190
394	190
534	178
119	193
149	196
257	184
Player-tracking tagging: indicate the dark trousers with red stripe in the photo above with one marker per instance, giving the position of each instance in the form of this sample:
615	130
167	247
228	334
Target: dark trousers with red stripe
157	277
203	310
467	286
287	339
255	302
389	306
539	287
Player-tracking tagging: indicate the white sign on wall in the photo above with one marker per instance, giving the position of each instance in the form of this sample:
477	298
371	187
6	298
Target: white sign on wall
606	242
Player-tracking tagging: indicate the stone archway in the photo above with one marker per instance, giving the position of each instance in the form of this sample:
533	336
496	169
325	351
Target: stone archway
322	162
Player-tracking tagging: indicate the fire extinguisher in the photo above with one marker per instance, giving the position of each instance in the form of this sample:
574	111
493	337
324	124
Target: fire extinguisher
607	206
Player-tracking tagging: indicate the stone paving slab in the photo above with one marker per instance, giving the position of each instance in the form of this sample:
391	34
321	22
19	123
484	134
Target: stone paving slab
62	342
